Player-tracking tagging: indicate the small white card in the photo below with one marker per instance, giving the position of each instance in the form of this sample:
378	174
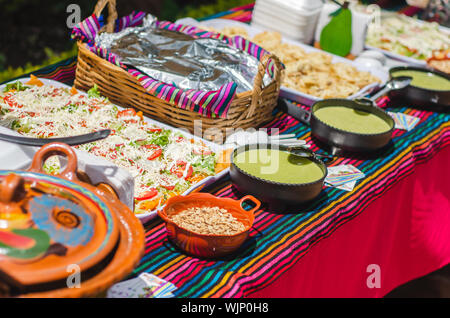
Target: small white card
144	286
404	121
343	177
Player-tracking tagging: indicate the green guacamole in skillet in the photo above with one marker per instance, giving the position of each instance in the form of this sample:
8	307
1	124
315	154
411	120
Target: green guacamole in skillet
352	120
425	80
278	166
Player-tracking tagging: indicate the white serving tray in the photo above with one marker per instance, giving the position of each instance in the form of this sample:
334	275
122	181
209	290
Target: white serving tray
19	157
405	59
100	170
285	91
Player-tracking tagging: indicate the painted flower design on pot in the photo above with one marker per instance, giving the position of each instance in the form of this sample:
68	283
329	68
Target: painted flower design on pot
65	221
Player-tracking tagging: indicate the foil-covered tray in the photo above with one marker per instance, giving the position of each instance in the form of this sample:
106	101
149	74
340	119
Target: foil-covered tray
181	60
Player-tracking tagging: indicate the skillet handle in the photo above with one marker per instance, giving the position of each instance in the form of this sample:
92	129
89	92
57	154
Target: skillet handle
297	112
365	101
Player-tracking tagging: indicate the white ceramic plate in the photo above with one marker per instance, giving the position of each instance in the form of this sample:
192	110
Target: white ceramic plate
285	91
144	217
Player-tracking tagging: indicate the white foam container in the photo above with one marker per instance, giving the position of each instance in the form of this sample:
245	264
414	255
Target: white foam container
295	7
99	170
299	19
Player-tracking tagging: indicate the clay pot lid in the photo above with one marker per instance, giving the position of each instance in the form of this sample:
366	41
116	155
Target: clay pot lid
50	225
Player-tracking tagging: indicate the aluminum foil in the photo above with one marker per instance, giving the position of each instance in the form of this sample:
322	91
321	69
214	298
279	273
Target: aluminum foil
181	60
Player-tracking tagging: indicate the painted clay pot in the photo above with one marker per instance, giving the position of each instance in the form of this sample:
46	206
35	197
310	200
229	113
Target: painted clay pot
57	232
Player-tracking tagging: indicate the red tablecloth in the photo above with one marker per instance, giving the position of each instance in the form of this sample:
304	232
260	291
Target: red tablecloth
406	232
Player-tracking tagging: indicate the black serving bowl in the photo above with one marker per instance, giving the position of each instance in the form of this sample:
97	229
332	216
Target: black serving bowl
421	96
275	193
350	141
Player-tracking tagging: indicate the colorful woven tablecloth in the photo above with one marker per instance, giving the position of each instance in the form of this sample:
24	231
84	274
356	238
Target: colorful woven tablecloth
277	241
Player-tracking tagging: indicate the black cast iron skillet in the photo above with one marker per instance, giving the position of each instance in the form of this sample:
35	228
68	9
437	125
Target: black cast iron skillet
421	96
278	195
339	139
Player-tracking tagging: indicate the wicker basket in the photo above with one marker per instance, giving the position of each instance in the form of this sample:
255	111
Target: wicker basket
247	109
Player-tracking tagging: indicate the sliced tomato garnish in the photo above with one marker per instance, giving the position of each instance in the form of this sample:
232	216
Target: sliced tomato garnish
157	151
180	139
11	102
126	113
147	194
154	129
179	169
96	151
166	183
202	151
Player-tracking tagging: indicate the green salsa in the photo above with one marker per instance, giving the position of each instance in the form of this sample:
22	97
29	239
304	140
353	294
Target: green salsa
278	166
352	120
426	80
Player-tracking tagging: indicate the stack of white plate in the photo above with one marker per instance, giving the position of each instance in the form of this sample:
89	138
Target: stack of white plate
295	19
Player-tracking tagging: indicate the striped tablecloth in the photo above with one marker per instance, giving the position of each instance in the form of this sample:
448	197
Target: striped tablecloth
277	241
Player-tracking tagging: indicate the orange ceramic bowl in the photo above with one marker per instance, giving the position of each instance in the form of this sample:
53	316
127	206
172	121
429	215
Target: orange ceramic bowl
207	245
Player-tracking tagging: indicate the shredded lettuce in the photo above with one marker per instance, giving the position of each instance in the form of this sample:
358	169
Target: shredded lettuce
18	86
94	92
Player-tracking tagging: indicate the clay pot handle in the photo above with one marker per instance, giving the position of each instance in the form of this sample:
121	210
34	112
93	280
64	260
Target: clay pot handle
52	149
107	189
254	200
9	187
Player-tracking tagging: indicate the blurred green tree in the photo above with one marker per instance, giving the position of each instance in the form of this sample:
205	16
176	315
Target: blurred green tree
33	33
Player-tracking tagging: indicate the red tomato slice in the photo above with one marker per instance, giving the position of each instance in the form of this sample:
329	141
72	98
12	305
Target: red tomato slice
179	168
155	129
202	151
147	194
126	113
180	139
10	101
166	184
157	151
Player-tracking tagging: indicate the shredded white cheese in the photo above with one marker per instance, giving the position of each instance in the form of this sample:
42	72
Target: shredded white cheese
157	158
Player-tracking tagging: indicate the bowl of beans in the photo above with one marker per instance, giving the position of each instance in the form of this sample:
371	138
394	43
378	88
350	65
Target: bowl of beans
206	226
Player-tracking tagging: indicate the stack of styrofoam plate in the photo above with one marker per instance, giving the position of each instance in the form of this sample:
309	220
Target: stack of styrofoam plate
295	19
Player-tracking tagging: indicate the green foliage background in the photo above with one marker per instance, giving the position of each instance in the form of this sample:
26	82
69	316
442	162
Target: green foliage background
33	33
